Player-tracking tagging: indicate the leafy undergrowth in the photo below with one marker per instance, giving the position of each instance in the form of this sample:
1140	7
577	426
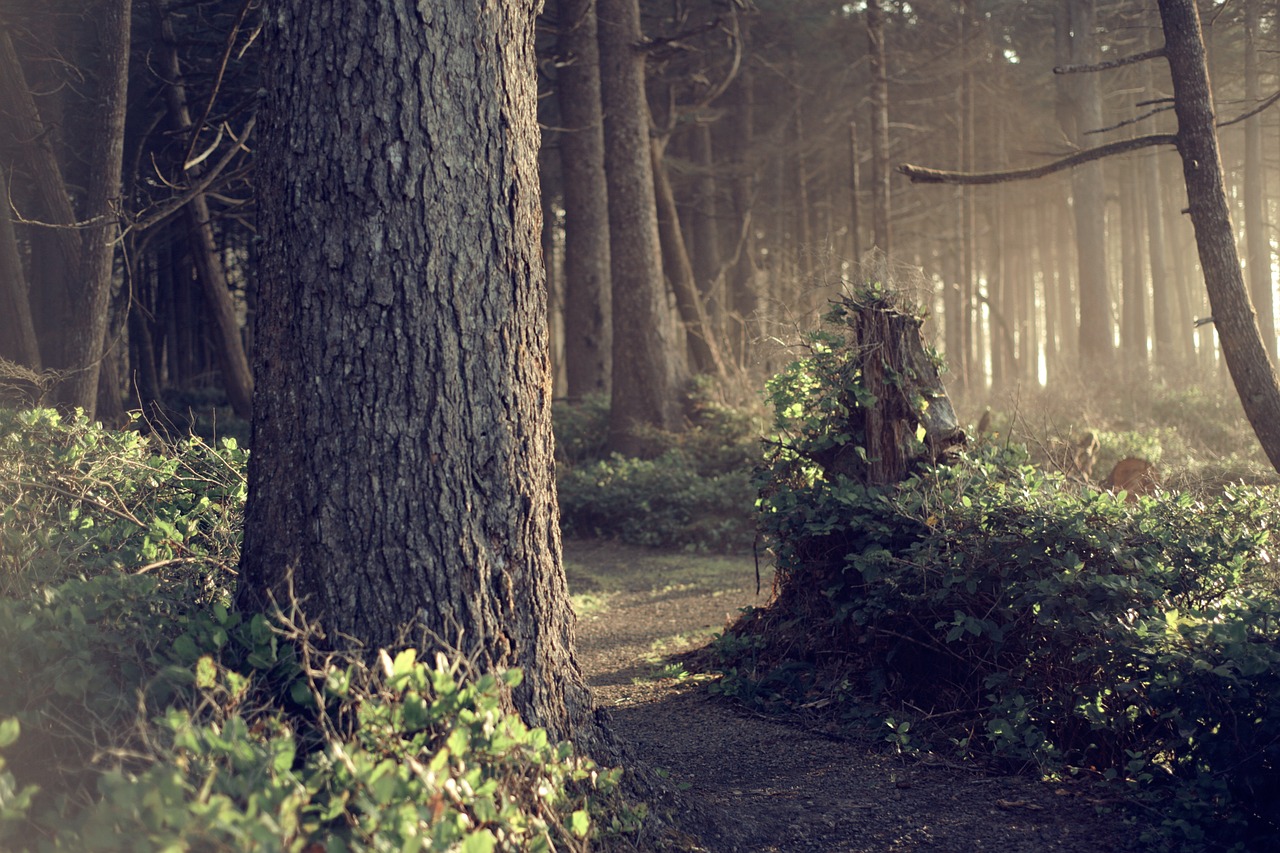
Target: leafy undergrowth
692	489
141	712
994	612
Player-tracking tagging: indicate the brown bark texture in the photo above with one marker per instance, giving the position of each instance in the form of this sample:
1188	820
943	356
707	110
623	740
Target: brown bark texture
402	473
648	363
588	335
232	360
1233	314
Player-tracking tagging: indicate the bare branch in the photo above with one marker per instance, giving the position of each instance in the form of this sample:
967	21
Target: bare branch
1118	62
206	180
1130	121
1251	113
922	175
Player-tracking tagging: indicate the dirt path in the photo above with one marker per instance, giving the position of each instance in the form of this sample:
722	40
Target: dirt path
757	784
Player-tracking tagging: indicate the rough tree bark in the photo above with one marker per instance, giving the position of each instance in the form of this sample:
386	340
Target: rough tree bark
588	336
402	473
1233	314
648	362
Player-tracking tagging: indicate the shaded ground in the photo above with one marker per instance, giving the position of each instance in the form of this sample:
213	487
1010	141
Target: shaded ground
759	784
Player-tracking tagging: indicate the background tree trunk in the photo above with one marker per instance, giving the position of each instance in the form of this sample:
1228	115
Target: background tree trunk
1257	233
588	334
880	170
402	471
648	368
234	363
1088	192
88	326
17	334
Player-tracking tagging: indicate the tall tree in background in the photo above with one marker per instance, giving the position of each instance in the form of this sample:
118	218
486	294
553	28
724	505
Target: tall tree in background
1257	232
588	335
1088	192
880	171
75	292
648	359
402	473
232	360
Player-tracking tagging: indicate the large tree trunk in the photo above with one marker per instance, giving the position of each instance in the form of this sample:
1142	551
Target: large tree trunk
402	470
84	344
1233	315
232	360
648	367
588	335
1088	190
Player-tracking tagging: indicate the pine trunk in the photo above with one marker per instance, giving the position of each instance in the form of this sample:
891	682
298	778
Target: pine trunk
1233	314
402	473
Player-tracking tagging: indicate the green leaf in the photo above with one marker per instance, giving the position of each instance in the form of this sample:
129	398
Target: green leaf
206	672
9	730
480	842
580	823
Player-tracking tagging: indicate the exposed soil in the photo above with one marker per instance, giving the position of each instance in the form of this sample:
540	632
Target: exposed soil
753	783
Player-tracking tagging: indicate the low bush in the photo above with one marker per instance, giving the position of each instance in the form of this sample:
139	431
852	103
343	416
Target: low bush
141	712
692	489
997	611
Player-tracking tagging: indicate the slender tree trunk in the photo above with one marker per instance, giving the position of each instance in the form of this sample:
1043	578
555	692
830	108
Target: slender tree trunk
880	171
743	284
60	251
1089	196
588	335
1233	315
1257	232
855	223
1133	325
1163	283
17	333
704	230
704	353
402	473
232	360
102	209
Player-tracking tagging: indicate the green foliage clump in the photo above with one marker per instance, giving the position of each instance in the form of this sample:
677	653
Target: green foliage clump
1012	616
140	711
692	489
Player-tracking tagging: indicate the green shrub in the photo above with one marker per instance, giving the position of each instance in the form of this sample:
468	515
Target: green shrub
155	717
691	489
663	501
1010	615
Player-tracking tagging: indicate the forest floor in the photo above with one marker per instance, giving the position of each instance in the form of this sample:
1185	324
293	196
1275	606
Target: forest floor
755	783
